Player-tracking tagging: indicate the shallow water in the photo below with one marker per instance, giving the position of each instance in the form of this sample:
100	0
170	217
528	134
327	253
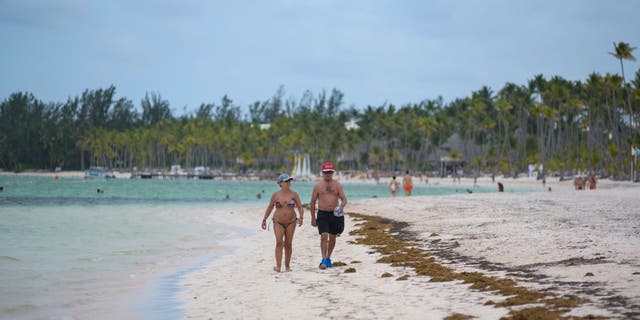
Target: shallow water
60	260
64	191
70	252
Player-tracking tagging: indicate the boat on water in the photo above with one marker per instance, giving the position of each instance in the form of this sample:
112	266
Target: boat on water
99	172
302	168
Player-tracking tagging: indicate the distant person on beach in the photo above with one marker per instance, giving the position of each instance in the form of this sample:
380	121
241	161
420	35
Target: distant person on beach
500	187
1	188
393	186
591	182
578	183
330	219
407	183
284	220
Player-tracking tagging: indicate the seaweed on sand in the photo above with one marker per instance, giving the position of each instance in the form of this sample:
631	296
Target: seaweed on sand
375	232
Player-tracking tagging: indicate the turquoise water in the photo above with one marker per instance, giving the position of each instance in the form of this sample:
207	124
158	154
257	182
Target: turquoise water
64	191
72	261
70	252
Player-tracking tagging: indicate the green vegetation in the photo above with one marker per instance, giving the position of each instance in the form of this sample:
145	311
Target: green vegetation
569	126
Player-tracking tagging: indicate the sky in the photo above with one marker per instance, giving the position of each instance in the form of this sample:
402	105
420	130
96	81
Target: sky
374	51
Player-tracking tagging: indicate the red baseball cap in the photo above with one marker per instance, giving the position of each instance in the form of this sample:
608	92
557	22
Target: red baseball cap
328	166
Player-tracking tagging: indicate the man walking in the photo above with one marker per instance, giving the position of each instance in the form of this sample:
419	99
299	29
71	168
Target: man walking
330	219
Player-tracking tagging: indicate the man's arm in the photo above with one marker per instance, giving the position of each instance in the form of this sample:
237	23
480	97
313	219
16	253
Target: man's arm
312	205
342	196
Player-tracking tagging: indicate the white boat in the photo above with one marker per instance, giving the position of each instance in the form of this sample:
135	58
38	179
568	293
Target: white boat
302	169
99	172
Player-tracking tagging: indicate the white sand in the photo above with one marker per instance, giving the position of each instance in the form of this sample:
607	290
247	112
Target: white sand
559	236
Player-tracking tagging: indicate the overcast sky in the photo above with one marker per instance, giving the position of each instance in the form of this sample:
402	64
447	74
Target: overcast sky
193	52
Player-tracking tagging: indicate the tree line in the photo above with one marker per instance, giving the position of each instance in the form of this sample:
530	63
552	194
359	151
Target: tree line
569	126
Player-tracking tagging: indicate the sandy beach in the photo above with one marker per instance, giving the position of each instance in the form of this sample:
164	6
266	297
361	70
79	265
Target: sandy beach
579	244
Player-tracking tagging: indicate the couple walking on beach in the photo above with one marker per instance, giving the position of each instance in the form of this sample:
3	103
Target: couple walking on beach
329	195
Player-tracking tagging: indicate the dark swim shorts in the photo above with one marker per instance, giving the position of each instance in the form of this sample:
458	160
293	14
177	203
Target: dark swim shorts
327	222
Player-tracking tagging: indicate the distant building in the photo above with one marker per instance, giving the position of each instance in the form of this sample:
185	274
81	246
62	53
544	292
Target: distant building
351	125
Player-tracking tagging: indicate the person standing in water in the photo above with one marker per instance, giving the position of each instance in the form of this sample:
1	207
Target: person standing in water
330	219
407	184
284	220
393	186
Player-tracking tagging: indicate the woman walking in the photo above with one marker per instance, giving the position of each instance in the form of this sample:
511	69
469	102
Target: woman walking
284	220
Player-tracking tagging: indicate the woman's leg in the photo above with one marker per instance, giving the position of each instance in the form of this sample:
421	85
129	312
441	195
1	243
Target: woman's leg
278	231
288	245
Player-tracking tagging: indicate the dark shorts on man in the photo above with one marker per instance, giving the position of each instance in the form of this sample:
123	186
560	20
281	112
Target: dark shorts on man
327	222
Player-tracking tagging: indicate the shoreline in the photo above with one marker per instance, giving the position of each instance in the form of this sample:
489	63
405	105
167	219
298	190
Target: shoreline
162	301
484	180
536	238
128	266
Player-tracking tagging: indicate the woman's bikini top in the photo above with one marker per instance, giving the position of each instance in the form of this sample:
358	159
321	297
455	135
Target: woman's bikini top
290	204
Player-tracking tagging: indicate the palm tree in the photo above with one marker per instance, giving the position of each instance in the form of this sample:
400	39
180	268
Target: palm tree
623	51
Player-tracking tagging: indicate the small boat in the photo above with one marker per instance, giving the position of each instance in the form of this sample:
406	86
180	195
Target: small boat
301	170
146	175
99	172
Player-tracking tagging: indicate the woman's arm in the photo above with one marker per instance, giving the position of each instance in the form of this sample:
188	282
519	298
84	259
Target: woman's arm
300	208
267	212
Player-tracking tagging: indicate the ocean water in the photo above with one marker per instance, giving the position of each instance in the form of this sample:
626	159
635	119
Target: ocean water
68	251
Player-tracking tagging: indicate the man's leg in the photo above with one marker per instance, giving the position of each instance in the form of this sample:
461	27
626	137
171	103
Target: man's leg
331	245
324	239
324	244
